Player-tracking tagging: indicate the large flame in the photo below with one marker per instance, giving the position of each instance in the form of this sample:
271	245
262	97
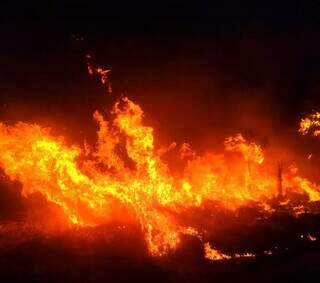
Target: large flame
124	169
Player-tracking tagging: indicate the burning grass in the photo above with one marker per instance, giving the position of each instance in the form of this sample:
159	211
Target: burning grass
123	178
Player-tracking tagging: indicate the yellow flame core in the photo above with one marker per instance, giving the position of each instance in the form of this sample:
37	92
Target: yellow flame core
85	183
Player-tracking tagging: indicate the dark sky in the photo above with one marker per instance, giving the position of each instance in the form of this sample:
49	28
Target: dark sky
199	69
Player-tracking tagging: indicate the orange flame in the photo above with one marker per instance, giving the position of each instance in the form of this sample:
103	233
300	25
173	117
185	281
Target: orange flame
103	73
311	124
212	254
86	183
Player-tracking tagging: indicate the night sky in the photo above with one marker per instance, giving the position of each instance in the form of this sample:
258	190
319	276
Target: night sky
196	68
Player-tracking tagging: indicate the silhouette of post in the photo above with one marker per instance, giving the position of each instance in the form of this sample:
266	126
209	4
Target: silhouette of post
280	171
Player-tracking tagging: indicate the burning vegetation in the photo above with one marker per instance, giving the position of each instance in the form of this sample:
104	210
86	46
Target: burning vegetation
123	178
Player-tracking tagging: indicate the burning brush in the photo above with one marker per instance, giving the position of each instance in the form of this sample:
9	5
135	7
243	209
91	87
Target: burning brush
123	176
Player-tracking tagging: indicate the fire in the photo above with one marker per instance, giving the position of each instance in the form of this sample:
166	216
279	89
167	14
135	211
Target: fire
124	169
103	73
212	254
311	124
251	152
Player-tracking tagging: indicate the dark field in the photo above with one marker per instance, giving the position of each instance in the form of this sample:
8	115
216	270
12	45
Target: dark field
115	254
